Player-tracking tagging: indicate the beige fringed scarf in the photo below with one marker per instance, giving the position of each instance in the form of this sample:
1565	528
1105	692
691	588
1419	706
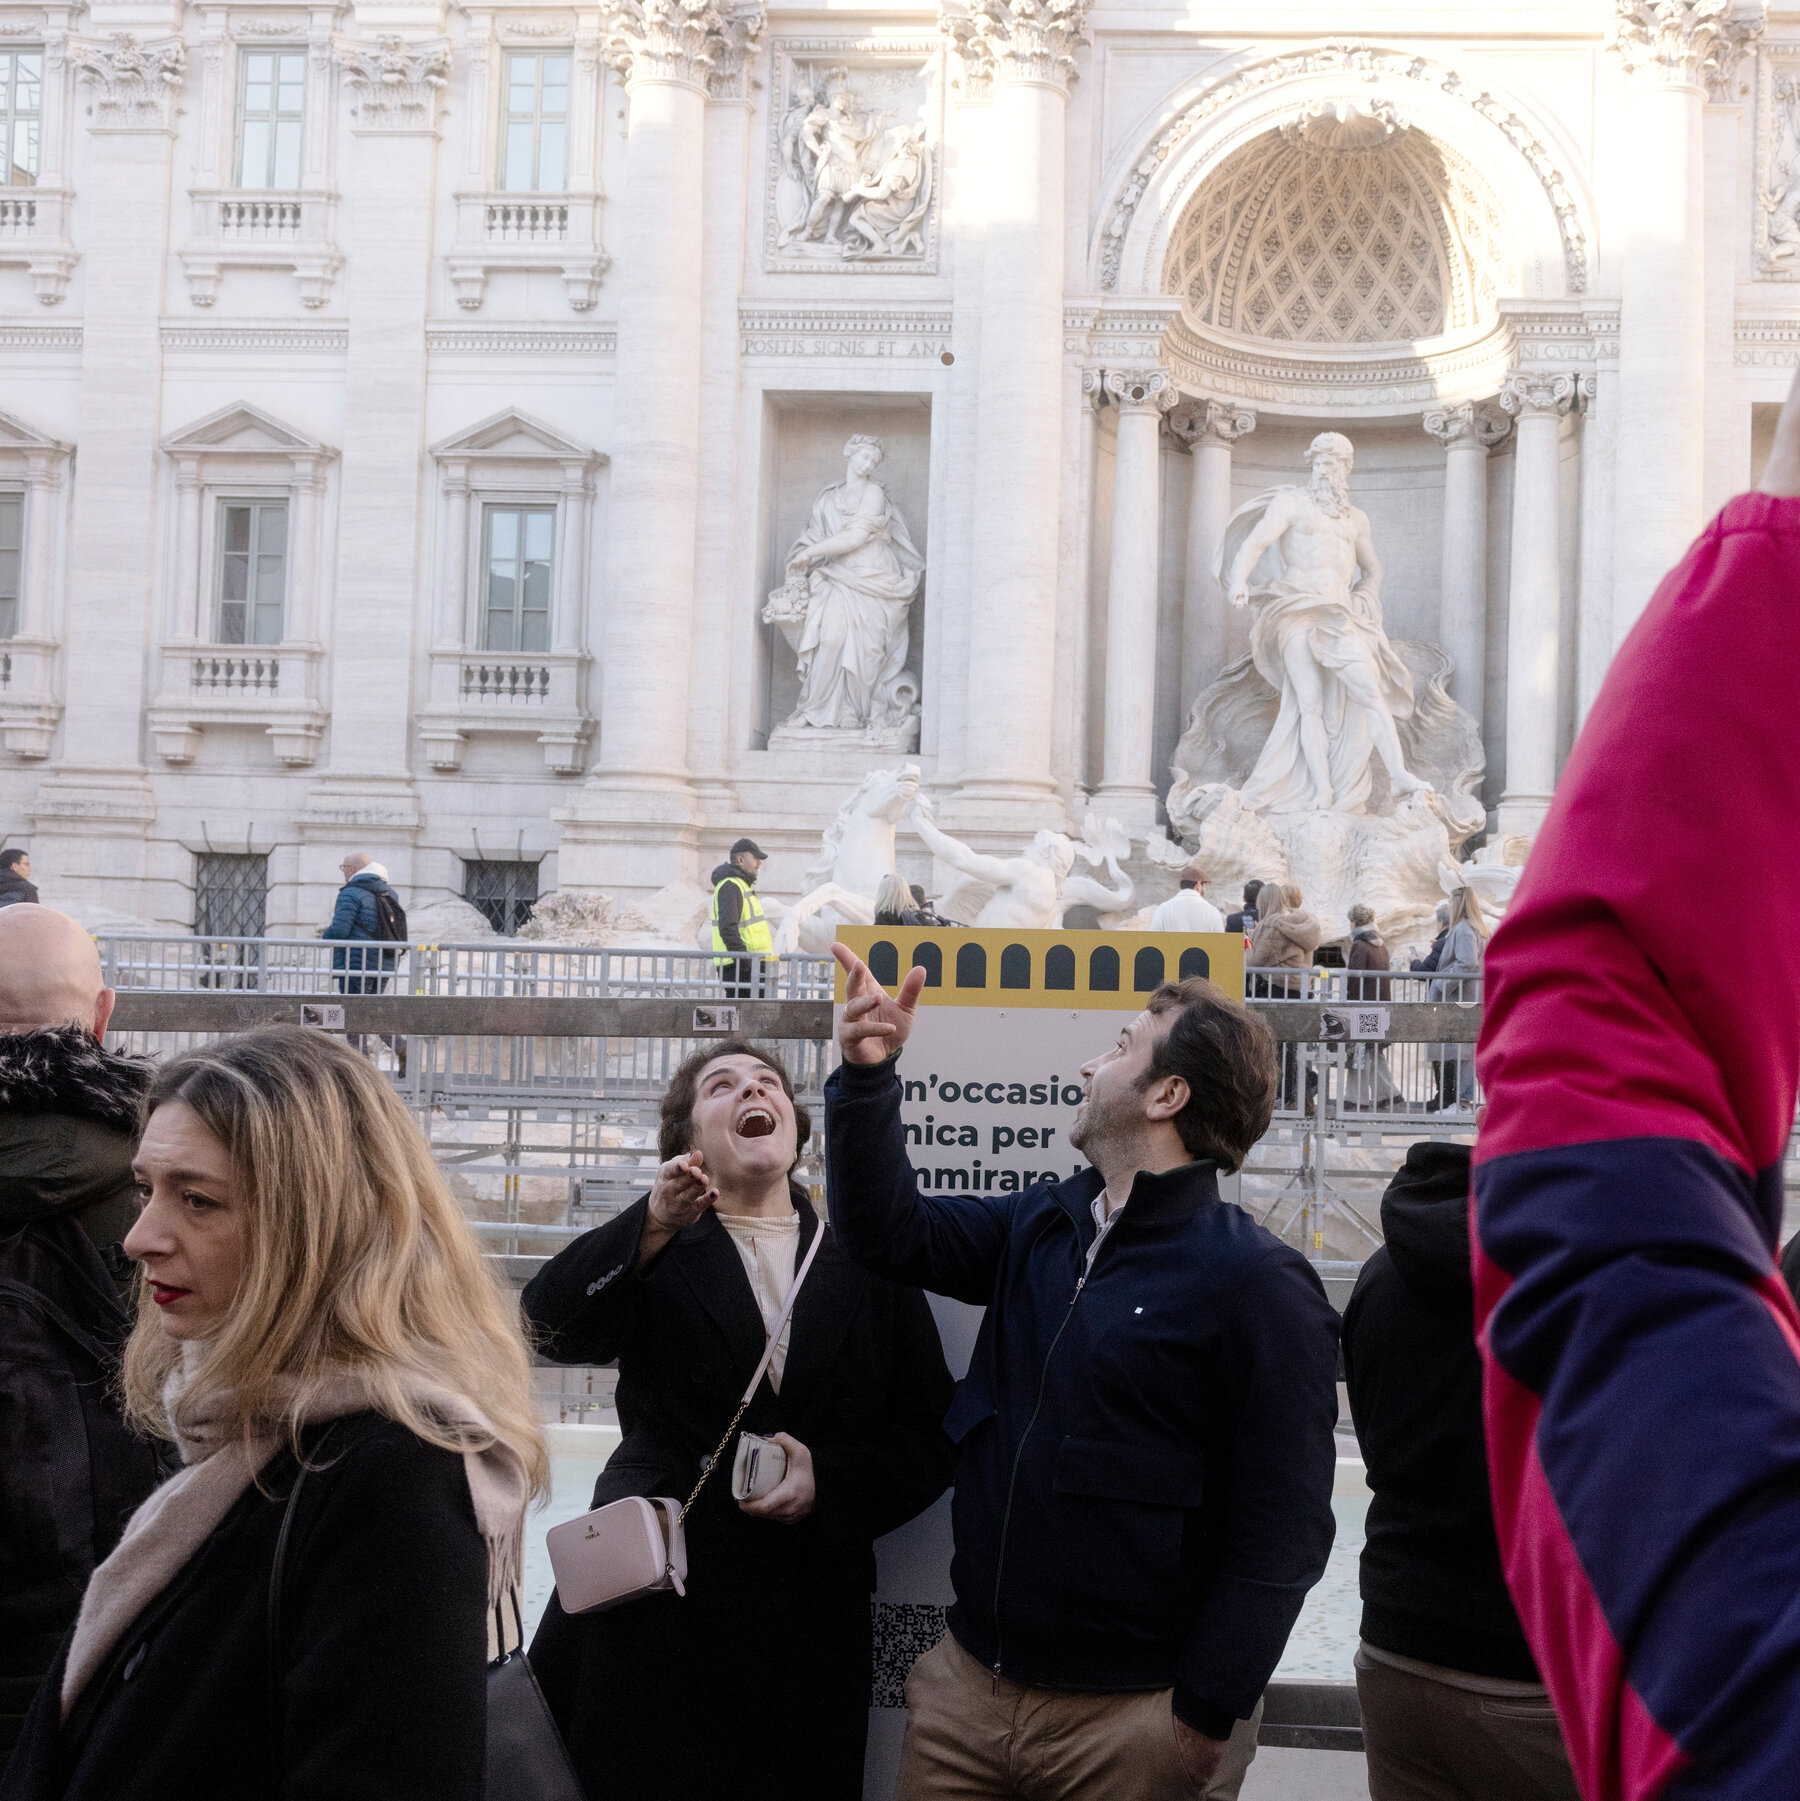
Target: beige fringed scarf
179	1517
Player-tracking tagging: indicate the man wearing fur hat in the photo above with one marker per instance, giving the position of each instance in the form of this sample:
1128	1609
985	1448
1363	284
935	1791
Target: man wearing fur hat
71	1472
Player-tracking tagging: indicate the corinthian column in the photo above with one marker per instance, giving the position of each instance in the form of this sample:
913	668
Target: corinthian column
1466	433
1023	50
634	824
1126	791
1538	403
1210	430
1670	50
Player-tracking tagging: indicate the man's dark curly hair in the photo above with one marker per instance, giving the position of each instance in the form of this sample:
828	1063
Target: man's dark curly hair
675	1133
1226	1055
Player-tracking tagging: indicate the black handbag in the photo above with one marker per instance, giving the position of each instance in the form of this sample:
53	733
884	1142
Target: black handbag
526	1757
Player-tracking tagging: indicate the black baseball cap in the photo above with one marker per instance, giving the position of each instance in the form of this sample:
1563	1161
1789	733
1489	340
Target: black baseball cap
750	845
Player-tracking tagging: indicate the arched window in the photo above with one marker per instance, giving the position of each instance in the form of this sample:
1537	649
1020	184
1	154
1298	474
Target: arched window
1059	967
971	966
884	963
1103	970
1147	969
1194	962
1015	967
929	958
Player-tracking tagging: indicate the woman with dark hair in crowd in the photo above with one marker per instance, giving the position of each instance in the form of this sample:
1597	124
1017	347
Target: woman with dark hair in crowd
317	1332
755	1684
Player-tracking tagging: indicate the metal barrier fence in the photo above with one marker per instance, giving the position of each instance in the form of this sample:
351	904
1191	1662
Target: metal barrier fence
497	967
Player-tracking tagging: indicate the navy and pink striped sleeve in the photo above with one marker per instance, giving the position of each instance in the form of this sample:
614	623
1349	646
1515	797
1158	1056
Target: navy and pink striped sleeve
1639	1053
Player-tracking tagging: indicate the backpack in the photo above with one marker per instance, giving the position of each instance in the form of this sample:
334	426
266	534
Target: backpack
390	917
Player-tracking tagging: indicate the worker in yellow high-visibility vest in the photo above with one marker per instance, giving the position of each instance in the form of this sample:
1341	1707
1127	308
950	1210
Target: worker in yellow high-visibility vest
740	933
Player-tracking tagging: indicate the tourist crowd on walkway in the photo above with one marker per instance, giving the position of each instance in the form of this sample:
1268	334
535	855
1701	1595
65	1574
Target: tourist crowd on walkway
268	1441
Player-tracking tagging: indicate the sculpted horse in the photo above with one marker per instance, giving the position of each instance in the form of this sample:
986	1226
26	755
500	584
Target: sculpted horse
856	851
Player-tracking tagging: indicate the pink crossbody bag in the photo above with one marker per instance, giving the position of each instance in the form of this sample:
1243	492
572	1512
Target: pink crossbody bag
637	1545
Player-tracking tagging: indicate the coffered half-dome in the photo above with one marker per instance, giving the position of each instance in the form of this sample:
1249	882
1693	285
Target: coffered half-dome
1342	227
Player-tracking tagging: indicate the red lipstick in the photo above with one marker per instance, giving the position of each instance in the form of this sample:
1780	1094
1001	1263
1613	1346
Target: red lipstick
162	1294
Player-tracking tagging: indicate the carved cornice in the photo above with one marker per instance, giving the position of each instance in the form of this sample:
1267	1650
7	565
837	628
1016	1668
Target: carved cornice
522	341
1474	422
1212	421
134	83
207	339
395	84
912	333
1767	343
1017	40
704	43
1687	43
1362	63
1535	396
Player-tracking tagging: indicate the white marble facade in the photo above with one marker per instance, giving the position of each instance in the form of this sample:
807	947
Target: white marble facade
406	409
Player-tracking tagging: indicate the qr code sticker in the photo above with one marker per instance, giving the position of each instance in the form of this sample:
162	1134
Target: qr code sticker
904	1632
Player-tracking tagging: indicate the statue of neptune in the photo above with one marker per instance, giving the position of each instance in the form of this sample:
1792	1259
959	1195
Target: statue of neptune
1318	641
851	577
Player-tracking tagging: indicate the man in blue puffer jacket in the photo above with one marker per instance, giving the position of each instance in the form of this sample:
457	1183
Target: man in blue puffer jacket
357	917
1144	1437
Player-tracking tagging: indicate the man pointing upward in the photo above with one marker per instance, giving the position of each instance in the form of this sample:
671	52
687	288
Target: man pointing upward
1144	1437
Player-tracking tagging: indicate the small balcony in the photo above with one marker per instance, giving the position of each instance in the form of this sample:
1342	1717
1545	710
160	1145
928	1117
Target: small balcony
527	231
256	229
34	230
475	692
29	709
273	686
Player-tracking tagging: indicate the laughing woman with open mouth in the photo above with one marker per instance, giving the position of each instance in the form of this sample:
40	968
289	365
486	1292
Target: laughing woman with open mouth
755	1683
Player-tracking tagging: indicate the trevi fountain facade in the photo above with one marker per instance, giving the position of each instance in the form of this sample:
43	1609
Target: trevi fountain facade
538	444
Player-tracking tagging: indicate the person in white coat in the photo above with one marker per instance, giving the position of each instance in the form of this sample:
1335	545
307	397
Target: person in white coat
1188	909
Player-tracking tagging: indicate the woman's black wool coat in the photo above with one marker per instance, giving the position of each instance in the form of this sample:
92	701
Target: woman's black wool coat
756	1683
382	1692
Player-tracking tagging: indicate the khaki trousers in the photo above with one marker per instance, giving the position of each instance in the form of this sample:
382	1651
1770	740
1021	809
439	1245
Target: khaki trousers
1429	1740
965	1742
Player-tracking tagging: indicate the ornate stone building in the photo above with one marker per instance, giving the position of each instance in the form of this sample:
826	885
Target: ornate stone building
408	410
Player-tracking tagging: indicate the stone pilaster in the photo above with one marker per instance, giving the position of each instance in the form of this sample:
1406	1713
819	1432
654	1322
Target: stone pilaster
1023	55
94	809
1669	50
1467	433
1534	621
1210	634
633	827
1141	397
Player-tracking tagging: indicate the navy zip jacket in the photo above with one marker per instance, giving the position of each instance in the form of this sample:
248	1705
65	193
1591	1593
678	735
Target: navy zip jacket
1144	1458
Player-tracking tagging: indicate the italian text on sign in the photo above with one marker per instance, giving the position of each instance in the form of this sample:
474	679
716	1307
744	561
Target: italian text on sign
991	1075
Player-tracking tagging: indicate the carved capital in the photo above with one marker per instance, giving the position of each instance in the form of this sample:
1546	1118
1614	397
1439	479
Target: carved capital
705	43
1689	43
134	84
1213	421
1474	422
1148	390
395	84
1017	40
1532	396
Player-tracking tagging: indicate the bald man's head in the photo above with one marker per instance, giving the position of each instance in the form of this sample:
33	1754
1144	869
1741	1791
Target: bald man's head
49	973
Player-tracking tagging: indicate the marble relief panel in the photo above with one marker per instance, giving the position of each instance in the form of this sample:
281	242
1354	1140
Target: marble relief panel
854	157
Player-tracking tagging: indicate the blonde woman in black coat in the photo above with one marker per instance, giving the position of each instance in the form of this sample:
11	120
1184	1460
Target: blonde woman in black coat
311	1294
755	1684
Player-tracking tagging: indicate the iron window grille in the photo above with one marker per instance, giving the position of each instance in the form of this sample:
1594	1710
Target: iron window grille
504	892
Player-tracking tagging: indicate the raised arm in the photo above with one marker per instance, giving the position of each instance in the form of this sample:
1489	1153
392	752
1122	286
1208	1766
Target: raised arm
1642	1356
951	1245
992	870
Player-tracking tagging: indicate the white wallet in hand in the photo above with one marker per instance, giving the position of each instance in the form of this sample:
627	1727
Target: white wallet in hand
757	1469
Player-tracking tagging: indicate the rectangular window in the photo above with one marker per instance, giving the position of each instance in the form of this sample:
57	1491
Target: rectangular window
505	892
231	896
271	114
21	111
12	544
515	599
252	571
535	129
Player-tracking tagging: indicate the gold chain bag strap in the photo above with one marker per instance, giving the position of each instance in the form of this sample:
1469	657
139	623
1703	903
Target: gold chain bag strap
637	1545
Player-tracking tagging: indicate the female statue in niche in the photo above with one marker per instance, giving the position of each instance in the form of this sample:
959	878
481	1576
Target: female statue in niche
851	578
